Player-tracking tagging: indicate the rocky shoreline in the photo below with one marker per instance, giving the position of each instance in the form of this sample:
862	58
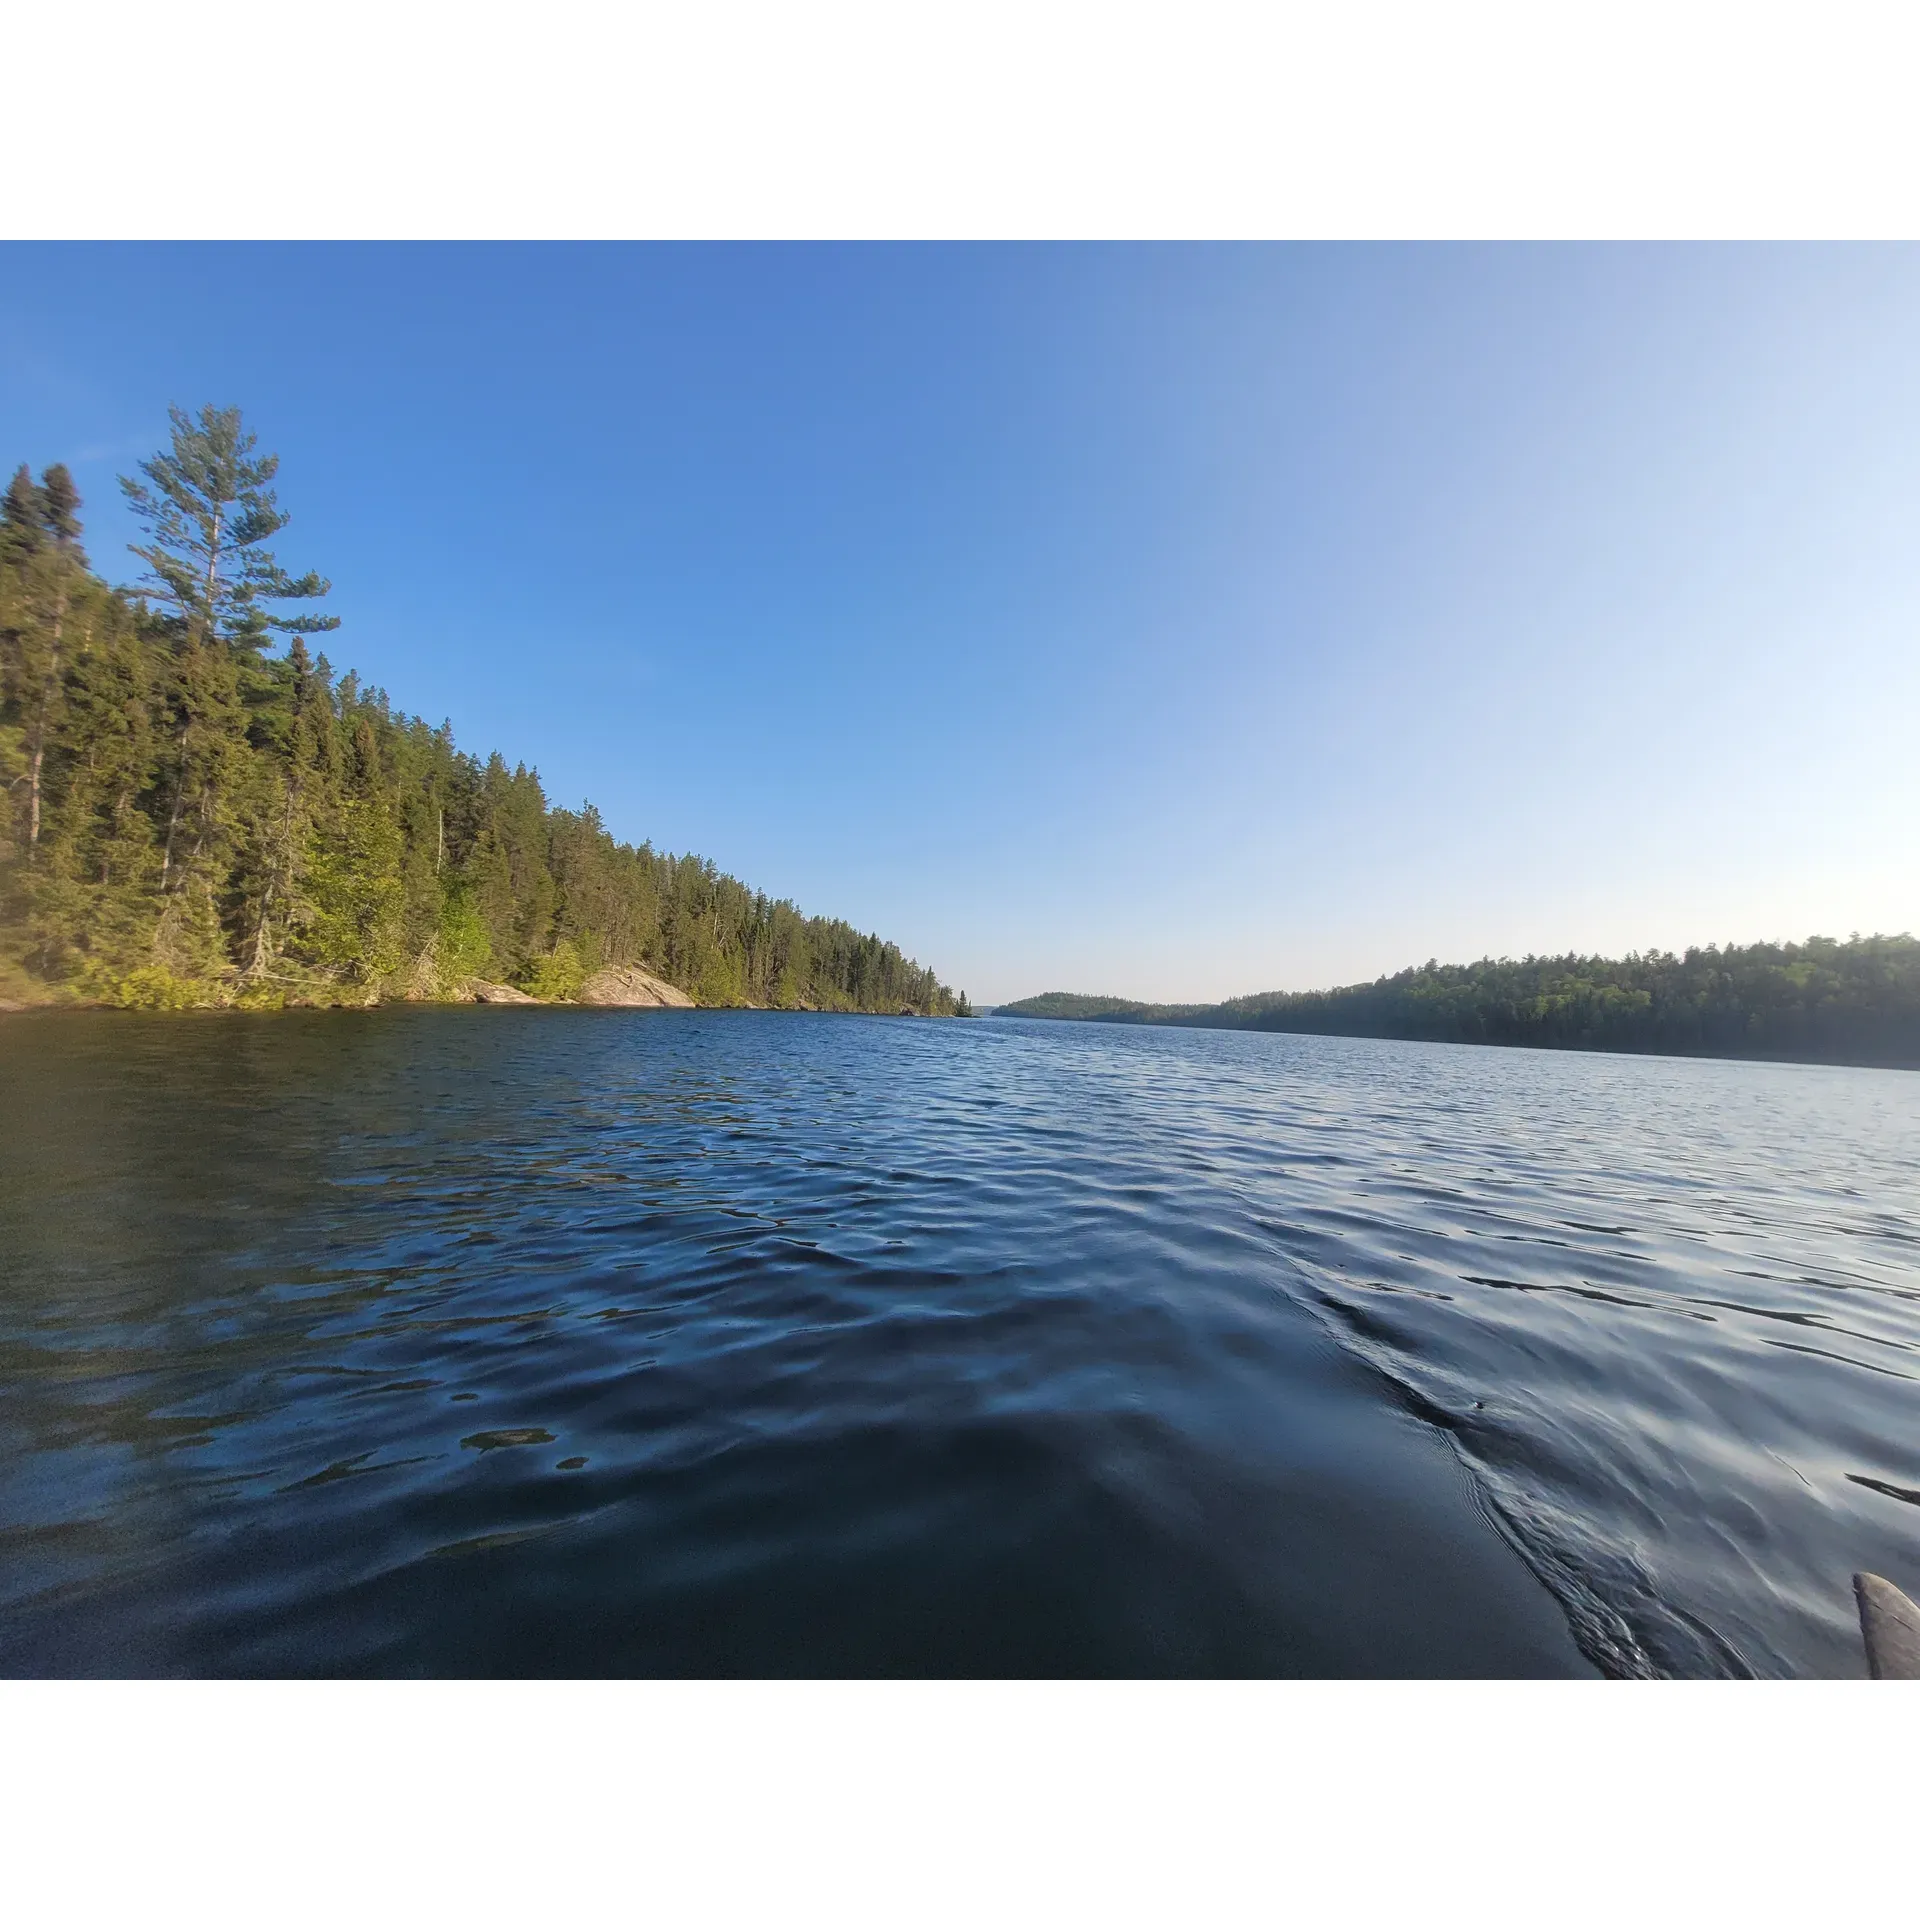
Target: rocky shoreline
619	986
630	987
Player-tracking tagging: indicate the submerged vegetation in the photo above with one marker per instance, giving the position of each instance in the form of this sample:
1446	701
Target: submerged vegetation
197	820
1855	1001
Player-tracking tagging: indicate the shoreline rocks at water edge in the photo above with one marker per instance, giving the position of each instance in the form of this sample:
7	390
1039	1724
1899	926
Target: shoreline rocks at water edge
630	986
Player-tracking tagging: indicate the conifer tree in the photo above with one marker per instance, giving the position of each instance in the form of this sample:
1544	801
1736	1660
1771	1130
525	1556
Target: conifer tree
23	515
42	530
61	505
209	509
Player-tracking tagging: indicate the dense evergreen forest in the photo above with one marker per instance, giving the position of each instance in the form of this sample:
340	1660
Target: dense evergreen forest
199	819
1856	1001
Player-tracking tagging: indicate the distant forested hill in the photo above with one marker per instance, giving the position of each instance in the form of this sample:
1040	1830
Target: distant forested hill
192	820
1092	1006
1854	1001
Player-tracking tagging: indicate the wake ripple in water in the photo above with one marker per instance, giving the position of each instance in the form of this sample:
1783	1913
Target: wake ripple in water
520	1341
1670	1310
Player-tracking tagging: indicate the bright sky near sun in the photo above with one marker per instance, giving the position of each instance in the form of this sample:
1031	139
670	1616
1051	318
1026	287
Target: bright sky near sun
1172	622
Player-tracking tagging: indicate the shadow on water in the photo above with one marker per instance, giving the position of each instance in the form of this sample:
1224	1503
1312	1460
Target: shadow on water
525	1342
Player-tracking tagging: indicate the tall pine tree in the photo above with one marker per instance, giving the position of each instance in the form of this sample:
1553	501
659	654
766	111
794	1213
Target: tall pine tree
42	531
209	510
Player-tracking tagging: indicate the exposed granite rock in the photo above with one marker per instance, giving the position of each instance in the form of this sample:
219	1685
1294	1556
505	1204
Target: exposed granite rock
631	987
490	993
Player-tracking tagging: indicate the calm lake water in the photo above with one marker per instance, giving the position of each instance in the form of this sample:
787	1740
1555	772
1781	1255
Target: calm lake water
517	1341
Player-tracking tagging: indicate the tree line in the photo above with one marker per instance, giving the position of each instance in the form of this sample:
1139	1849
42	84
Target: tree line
1852	1002
198	818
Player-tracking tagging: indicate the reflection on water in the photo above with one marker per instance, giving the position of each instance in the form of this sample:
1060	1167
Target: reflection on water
540	1341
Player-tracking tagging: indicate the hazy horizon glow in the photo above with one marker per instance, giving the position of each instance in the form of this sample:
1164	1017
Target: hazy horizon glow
1166	622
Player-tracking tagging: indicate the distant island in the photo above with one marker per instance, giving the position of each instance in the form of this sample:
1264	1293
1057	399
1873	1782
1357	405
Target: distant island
194	820
1853	1002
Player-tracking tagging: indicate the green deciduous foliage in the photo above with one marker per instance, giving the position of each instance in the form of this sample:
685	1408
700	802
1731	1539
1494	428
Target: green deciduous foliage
195	820
461	949
355	901
558	975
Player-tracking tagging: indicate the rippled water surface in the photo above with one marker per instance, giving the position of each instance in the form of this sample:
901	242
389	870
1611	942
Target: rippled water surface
514	1341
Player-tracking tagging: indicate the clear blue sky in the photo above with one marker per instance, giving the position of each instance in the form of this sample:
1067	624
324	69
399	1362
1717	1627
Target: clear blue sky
1171	622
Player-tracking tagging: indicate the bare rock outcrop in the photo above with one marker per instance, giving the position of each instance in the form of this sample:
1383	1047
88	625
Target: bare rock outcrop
631	987
490	993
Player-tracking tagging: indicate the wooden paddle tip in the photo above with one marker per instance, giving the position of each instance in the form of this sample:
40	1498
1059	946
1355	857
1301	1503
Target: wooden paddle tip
1890	1625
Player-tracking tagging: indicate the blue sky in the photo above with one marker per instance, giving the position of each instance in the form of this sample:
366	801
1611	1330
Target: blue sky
1164	621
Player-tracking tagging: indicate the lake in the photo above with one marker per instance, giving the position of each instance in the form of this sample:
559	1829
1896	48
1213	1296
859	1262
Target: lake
550	1341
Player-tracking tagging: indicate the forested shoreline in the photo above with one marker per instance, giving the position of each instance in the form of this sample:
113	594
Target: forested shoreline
197	819
1853	1002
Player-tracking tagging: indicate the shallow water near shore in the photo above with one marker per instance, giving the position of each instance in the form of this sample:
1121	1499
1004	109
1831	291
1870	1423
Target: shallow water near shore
548	1341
